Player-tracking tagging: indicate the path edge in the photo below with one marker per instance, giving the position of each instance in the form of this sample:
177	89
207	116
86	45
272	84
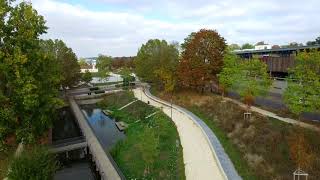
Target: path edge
224	163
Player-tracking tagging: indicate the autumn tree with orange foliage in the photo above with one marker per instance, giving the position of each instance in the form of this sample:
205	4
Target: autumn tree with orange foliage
202	59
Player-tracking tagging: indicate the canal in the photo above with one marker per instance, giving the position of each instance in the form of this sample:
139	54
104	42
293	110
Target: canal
74	164
103	126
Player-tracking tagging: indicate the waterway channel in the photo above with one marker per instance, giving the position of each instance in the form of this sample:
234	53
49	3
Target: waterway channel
74	164
103	126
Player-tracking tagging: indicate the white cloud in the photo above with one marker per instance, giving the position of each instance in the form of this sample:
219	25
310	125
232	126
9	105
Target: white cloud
121	33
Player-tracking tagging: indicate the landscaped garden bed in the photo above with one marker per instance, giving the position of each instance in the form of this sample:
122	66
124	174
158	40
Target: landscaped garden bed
260	147
152	148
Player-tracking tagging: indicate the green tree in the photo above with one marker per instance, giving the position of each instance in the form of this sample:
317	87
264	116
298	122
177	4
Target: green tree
293	44
247	46
67	61
229	74
104	65
83	63
303	95
37	164
260	43
303	91
315	42
311	43
252	81
168	79
29	78
318	40
155	56
233	47
202	59
127	76
87	76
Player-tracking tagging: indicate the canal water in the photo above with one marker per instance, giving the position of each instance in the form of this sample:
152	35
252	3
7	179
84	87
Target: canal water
75	165
103	126
65	127
111	78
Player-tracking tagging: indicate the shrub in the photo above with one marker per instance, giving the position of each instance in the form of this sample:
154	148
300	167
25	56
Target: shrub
35	164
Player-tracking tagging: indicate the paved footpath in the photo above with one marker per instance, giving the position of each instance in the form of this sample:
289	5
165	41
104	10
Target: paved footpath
200	159
273	115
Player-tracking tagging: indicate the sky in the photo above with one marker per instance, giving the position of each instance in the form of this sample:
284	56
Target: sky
120	27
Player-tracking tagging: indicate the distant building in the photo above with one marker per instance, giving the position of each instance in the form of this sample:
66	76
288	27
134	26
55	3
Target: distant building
263	46
279	59
92	62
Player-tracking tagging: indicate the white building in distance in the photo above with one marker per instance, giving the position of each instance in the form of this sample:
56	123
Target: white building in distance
92	62
262	47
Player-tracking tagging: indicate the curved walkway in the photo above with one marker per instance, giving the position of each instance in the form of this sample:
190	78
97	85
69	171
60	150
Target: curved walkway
203	155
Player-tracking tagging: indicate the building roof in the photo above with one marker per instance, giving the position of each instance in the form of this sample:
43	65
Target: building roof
253	51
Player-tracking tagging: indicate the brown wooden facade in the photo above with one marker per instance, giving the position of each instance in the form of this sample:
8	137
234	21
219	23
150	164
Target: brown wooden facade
278	60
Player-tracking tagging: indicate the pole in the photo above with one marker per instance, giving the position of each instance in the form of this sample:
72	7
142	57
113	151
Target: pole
171	102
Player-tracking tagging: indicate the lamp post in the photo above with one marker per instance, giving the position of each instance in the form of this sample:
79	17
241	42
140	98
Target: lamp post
171	102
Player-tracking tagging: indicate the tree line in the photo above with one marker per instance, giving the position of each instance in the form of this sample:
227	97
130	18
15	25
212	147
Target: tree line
289	45
31	72
205	62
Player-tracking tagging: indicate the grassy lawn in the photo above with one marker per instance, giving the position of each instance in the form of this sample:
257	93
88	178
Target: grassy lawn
260	148
152	149
116	101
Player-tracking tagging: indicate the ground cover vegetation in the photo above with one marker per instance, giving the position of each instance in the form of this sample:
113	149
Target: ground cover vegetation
151	149
33	163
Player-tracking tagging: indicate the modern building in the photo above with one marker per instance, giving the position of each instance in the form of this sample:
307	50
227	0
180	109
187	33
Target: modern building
278	60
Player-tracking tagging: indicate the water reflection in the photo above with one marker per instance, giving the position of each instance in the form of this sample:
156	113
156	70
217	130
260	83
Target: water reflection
104	127
65	126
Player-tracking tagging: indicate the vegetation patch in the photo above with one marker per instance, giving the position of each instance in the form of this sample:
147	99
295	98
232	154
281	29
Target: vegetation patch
261	147
152	149
35	163
6	155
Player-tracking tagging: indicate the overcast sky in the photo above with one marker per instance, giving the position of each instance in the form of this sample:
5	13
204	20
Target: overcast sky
119	27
